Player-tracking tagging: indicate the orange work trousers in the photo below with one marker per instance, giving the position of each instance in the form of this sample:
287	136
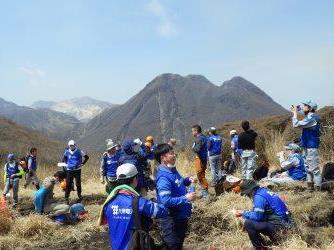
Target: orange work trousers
200	168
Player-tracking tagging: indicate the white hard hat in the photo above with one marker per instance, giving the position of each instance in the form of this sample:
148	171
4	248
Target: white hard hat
71	143
233	132
126	171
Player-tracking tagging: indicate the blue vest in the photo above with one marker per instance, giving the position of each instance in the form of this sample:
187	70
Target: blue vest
203	153
10	170
74	159
235	141
118	213
110	164
276	211
311	136
298	172
33	162
215	145
177	189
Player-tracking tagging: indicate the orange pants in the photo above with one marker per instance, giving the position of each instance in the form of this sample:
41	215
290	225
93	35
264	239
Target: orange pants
200	168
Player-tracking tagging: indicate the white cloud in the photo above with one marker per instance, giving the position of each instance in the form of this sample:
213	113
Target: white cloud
166	29
32	71
156	8
165	26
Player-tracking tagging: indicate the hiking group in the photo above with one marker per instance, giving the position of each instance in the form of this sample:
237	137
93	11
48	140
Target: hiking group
131	175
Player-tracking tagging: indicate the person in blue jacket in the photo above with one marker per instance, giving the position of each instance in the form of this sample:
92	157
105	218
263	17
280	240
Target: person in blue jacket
310	140
215	146
270	215
117	211
109	164
74	158
135	152
171	190
293	167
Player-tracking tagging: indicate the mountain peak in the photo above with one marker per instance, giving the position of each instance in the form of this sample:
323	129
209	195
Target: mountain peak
167	80
198	78
170	104
238	83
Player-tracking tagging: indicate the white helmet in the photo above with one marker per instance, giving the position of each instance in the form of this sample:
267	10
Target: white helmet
233	132
71	143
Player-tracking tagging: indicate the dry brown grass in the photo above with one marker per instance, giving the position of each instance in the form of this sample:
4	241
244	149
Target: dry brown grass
6	221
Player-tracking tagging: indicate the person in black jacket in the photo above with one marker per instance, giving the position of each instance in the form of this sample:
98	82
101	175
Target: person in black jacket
246	142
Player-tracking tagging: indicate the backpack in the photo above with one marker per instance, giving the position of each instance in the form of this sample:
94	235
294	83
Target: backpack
141	239
328	172
25	159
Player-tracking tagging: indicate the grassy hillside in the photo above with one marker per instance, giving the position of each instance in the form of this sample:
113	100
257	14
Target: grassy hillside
18	140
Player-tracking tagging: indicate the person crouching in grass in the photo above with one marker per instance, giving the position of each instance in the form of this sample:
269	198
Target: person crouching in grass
172	193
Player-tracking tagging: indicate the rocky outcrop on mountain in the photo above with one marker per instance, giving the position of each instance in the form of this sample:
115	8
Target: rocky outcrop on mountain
82	108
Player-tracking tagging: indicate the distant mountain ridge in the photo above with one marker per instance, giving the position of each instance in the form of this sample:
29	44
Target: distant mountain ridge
170	104
166	107
55	124
82	108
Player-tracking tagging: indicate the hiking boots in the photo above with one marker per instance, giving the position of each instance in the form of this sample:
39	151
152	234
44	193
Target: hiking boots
317	188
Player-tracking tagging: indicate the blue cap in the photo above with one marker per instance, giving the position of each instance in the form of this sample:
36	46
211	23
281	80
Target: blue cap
311	104
11	157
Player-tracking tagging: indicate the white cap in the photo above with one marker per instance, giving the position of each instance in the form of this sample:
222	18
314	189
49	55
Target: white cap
126	171
110	144
233	132
71	143
212	129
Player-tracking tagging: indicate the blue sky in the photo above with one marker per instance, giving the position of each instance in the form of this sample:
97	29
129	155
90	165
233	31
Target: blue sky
109	50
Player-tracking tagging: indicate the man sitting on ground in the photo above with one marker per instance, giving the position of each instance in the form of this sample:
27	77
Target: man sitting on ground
293	167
